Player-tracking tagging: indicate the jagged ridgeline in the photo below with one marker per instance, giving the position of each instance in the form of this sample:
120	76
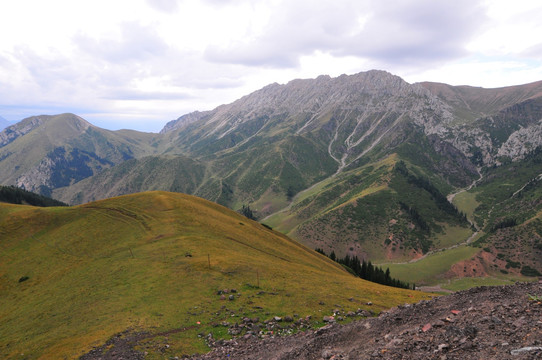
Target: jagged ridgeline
313	158
160	265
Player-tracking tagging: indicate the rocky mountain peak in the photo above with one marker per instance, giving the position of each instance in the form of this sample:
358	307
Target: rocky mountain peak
302	95
21	128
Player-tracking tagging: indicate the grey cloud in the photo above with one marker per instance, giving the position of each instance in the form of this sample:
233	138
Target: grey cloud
425	31
129	94
416	30
533	52
137	42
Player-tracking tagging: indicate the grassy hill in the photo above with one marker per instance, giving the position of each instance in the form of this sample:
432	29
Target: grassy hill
167	173
382	210
71	278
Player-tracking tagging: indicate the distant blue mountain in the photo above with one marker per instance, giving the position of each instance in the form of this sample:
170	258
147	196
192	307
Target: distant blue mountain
3	123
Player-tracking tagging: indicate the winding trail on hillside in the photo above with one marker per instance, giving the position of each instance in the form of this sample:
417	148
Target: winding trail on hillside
450	197
471	238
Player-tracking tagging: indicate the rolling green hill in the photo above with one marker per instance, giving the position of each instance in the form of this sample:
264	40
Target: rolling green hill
153	263
317	159
381	211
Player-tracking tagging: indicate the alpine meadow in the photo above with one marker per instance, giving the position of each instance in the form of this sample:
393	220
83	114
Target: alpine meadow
174	241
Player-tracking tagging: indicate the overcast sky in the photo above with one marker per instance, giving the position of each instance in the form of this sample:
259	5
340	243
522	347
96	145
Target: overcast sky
140	63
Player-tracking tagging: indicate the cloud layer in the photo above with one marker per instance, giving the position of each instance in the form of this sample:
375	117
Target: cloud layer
140	63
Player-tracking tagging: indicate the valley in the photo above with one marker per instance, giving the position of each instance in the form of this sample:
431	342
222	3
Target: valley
441	183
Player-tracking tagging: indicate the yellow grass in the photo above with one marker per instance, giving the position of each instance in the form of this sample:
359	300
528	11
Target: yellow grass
153	262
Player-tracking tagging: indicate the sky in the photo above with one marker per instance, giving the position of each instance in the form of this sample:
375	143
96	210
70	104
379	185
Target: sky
138	64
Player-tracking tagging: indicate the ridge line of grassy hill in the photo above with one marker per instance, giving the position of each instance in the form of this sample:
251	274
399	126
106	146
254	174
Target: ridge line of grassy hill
95	270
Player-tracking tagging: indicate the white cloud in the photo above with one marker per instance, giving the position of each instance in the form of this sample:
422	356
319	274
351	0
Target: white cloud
129	63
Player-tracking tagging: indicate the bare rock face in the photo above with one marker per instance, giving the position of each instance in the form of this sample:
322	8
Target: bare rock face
24	127
354	114
182	121
522	142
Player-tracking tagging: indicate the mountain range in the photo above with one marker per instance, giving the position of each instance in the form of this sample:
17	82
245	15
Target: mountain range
361	165
3	123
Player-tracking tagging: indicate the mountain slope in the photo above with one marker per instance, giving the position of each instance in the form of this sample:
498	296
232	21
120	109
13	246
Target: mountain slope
470	103
46	152
341	121
310	154
480	323
71	278
167	173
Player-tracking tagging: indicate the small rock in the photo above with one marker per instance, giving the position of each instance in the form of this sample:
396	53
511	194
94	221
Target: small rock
438	323
443	347
329	319
426	327
277	318
327	354
231	297
525	349
496	320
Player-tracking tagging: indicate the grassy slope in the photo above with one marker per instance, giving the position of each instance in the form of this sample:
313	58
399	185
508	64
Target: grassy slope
100	268
427	270
69	131
357	211
168	173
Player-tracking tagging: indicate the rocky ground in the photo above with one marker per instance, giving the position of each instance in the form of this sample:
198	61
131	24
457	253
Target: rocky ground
502	322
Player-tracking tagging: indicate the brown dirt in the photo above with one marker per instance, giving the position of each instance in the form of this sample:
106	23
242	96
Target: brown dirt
501	322
482	323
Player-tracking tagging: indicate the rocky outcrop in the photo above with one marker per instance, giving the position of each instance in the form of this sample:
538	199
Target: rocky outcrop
522	142
60	168
22	128
183	121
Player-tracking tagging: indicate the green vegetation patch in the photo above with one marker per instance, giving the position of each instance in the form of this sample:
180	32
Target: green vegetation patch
155	263
427	270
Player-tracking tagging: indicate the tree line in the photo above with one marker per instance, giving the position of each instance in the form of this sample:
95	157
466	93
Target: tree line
367	271
15	195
